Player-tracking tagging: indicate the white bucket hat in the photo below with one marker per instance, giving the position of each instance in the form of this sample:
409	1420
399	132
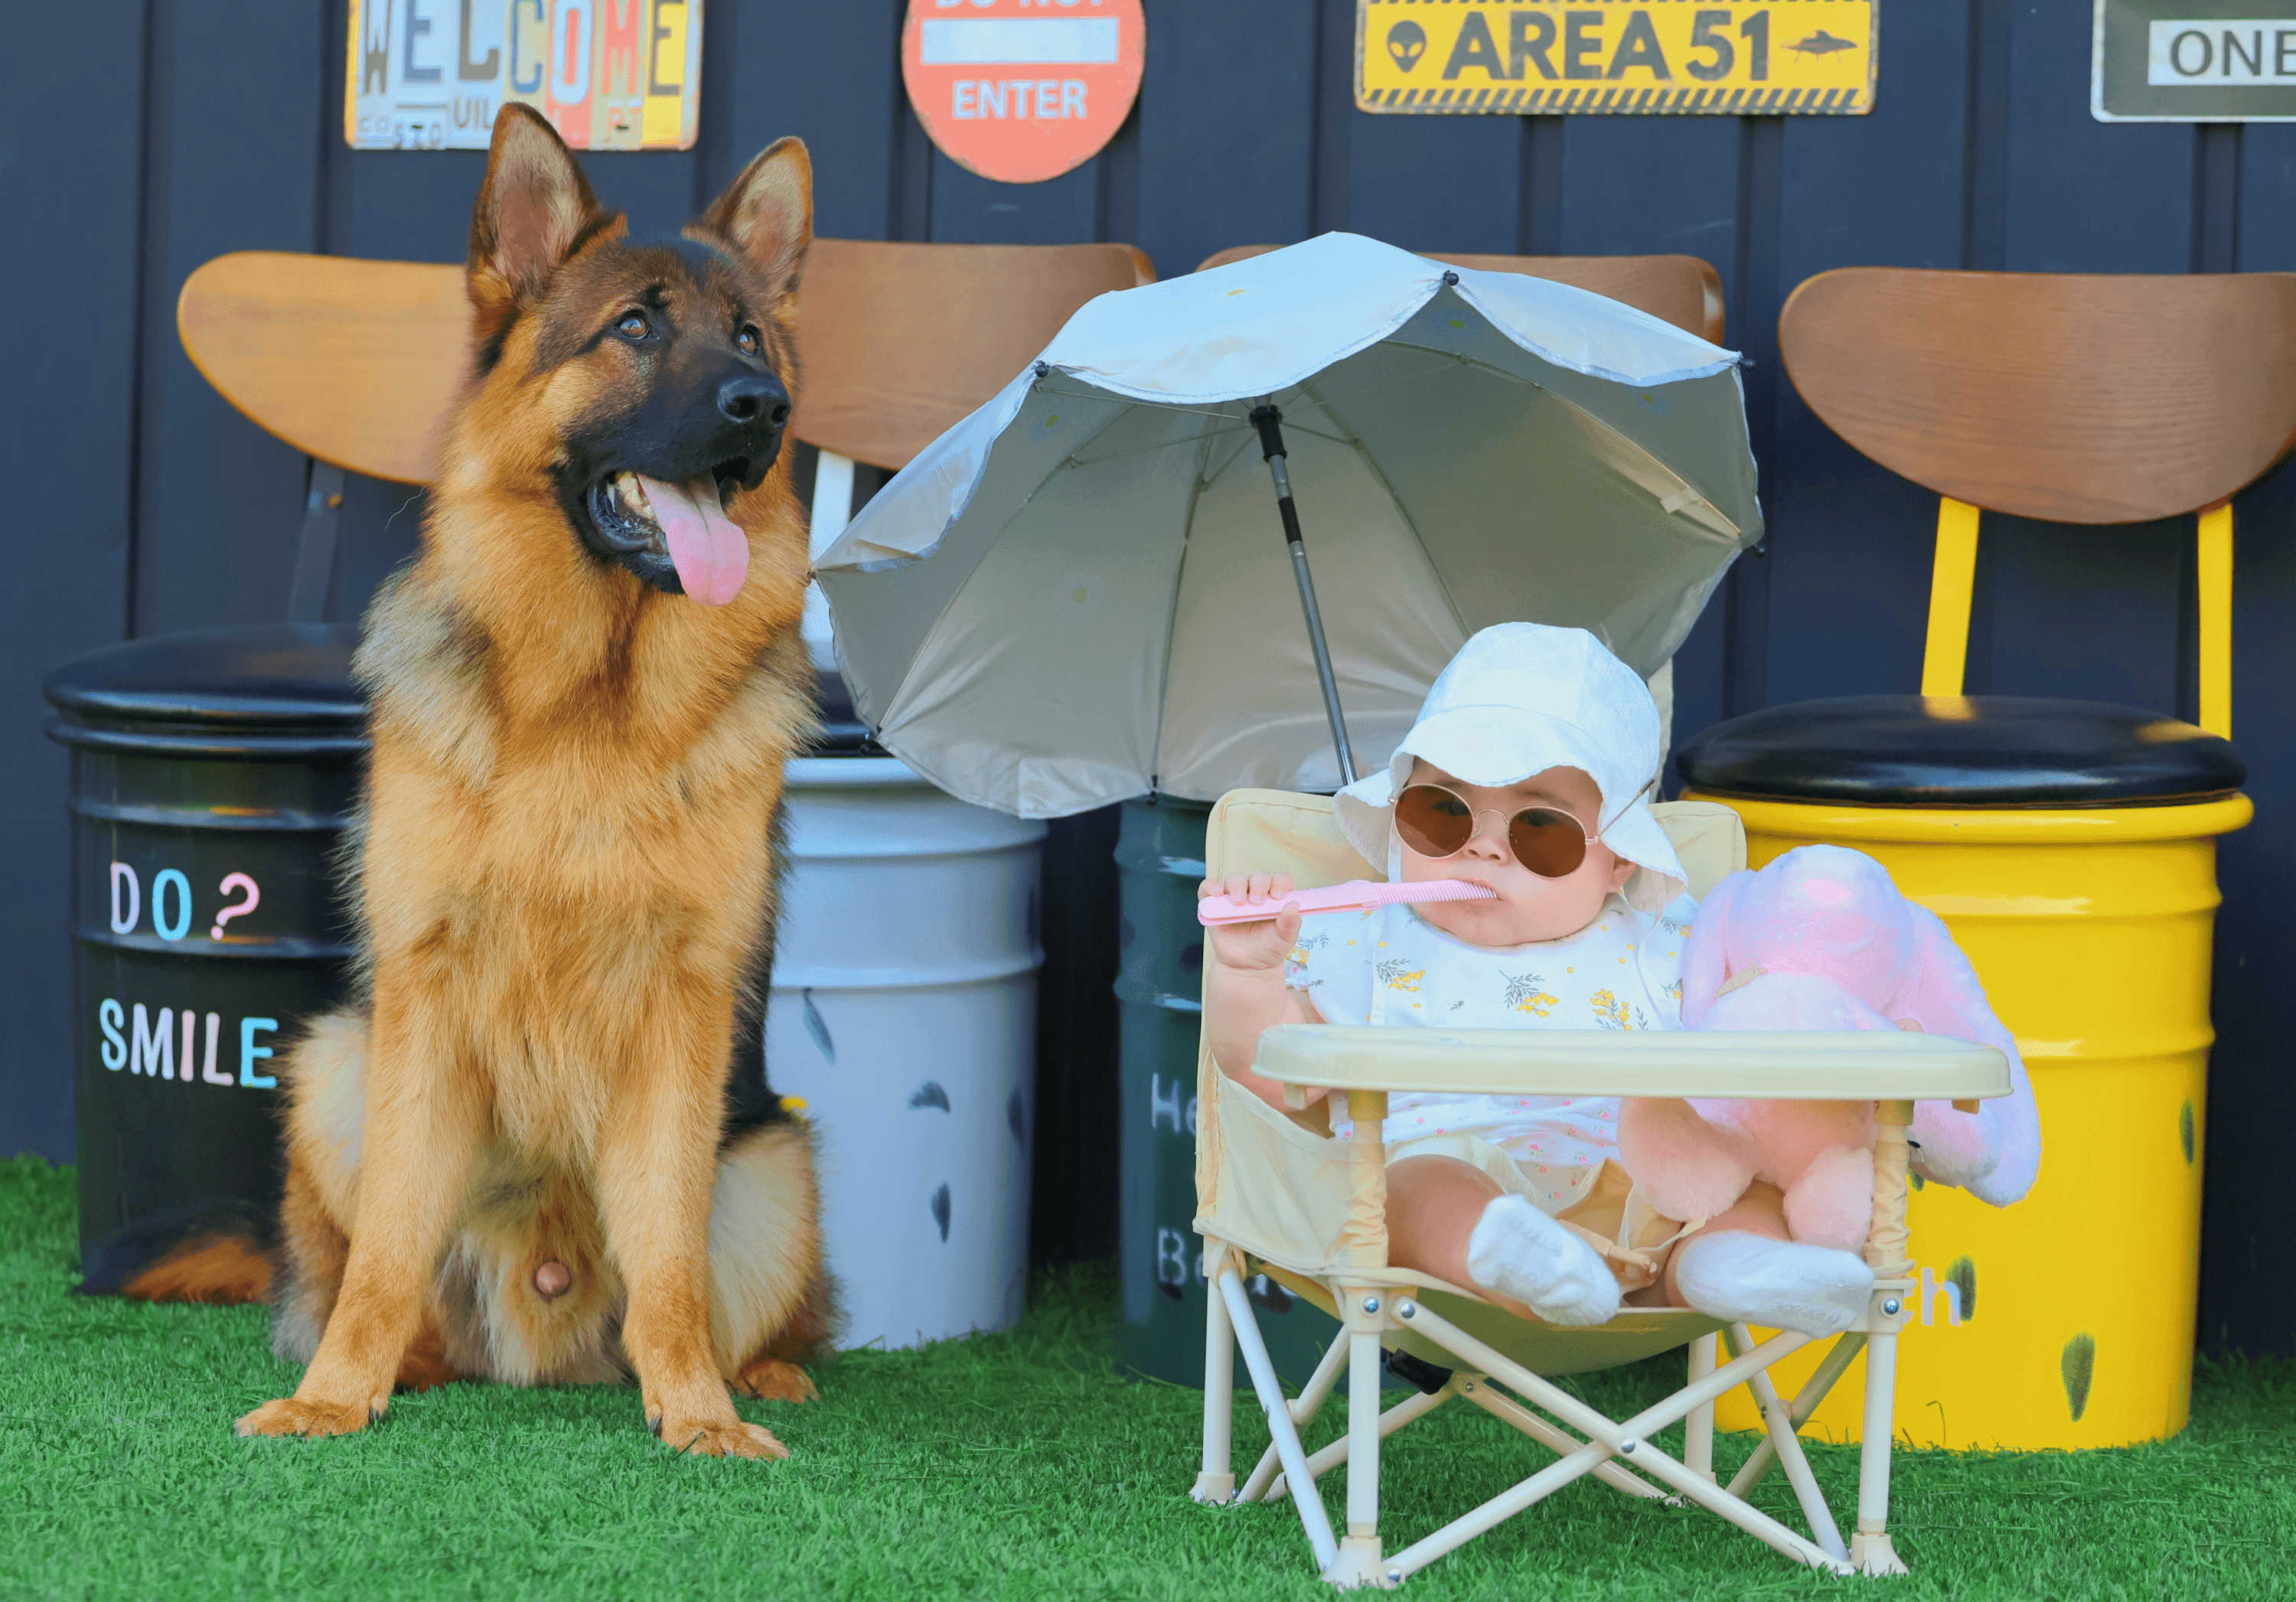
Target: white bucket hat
1519	699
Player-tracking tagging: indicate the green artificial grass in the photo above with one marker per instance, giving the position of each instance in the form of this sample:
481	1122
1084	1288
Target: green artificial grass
1020	1465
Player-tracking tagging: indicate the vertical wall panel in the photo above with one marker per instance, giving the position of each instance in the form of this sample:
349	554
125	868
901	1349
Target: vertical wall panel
1850	542
831	75
2246	1298
69	410
2267	197
969	210
1435	183
1654	186
2085	196
232	165
1226	135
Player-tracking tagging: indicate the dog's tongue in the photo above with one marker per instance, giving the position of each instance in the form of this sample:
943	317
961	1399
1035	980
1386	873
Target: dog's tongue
711	554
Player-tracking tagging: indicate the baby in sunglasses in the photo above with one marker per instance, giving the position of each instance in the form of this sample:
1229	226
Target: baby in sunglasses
1527	772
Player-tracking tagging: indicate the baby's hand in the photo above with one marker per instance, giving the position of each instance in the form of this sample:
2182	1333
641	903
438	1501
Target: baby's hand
1260	943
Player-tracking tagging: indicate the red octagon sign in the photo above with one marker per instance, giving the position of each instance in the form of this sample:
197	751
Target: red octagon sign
1022	90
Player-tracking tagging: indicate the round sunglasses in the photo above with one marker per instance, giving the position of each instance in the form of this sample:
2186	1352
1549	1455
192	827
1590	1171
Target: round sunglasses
1435	821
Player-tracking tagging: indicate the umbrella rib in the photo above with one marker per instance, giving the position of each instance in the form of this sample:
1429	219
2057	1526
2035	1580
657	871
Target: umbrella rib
1364	454
1242	443
1444	357
1076	460
1172	615
1161	405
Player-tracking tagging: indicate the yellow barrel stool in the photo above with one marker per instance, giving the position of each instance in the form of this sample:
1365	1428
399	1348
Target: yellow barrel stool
2074	859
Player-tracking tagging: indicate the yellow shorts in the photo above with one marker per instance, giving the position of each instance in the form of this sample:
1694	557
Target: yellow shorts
1611	1216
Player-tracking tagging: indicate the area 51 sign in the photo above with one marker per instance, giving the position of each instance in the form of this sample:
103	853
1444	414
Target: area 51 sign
1796	57
2194	60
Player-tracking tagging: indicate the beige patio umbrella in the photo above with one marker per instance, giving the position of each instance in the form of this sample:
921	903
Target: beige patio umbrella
1094	587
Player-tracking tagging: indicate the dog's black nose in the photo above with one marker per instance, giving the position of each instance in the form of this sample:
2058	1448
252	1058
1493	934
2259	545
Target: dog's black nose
750	397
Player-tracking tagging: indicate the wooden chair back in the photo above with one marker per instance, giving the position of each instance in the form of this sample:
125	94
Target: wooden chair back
352	362
1682	290
2079	398
901	340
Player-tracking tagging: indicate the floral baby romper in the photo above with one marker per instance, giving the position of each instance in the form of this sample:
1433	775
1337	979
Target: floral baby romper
1390	967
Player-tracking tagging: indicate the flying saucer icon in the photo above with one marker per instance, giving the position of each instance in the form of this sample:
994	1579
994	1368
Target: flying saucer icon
1821	43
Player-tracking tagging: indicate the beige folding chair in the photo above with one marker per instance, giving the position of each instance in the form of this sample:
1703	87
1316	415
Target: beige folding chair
1275	1195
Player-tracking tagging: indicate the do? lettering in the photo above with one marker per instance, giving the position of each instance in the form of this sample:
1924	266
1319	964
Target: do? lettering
171	902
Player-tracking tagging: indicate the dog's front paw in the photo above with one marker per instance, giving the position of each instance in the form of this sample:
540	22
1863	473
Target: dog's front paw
290	1415
726	1438
769	1379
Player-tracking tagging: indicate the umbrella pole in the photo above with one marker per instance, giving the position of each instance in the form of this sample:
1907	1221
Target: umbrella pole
1269	422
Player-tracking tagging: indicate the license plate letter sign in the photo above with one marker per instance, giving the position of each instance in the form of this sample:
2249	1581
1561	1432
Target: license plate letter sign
608	74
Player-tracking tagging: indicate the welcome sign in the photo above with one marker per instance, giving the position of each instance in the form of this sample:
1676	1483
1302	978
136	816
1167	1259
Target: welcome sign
608	74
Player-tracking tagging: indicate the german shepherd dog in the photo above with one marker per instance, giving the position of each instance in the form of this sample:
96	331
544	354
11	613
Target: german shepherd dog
543	1151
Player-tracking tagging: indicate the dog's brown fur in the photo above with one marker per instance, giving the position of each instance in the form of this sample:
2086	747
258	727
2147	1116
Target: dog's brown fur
566	881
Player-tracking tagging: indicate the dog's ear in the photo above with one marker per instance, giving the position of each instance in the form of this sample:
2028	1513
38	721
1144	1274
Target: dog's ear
534	210
767	214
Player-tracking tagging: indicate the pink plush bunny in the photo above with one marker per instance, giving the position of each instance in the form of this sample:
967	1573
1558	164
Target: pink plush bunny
1820	939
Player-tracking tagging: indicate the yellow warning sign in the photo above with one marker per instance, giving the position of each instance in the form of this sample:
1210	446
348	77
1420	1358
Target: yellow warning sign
1634	57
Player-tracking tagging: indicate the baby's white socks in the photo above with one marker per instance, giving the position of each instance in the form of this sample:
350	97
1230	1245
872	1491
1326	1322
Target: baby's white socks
1519	1251
1781	1283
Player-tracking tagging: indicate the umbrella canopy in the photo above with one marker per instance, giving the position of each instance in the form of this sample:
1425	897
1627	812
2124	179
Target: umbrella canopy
1082	592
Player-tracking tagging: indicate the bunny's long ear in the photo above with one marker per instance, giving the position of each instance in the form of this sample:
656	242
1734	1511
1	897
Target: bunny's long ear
1945	998
1705	962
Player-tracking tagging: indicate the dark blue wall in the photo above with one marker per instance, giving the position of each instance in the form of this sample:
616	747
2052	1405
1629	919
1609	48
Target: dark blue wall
157	507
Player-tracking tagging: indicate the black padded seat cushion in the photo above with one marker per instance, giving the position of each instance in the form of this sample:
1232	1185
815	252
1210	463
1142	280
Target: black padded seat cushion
1961	751
268	676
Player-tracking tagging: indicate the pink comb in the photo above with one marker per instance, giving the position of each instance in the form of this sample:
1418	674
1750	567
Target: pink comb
1353	895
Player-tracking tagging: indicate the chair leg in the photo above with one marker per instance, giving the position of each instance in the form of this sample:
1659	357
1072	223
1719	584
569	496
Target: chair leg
1778	1418
1359	1561
1266	1483
1216	1475
1814	1391
1417	1405
1489	1397
1870	1551
1273	1402
1698	1429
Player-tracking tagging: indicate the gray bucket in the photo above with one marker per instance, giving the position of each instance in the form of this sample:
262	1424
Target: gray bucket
903	1012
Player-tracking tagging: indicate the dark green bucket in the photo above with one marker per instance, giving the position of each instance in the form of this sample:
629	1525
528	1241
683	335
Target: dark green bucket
1160	855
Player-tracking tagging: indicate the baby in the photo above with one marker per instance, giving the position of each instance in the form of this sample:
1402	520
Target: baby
1526	772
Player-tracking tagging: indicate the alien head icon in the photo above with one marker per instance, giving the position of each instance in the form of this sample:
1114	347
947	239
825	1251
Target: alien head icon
1406	41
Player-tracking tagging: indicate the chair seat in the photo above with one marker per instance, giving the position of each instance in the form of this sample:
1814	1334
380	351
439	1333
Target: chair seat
1961	750
1549	1349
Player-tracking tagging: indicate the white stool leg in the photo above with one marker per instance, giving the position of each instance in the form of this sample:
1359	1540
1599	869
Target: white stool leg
832	508
1870	1551
1360	1560
1216	1478
1698	1429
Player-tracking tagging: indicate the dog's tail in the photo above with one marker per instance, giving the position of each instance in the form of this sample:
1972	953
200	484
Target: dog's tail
216	1252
